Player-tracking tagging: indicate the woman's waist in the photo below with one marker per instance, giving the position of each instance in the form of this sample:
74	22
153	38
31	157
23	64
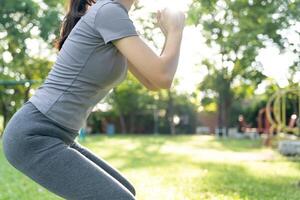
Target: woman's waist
42	123
69	109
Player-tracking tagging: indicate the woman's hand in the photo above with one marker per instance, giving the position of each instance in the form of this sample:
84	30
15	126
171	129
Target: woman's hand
162	28
170	21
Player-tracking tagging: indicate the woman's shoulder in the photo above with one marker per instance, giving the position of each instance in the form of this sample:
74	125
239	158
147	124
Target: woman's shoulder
107	10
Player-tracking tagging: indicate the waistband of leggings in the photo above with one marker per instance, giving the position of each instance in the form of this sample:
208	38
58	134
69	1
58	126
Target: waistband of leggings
72	131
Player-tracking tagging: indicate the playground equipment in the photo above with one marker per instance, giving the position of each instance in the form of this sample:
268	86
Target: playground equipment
263	122
276	113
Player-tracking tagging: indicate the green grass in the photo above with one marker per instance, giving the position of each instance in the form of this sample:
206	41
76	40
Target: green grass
181	168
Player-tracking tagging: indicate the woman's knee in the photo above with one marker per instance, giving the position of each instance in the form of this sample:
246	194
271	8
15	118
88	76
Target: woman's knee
105	166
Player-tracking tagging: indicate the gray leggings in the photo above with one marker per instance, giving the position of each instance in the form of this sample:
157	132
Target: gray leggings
48	154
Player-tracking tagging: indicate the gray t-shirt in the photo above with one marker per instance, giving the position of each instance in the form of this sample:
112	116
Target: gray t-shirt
88	65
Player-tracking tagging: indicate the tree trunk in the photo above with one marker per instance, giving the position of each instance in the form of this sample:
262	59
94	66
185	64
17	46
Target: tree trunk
227	107
171	113
226	118
224	108
220	116
131	123
123	124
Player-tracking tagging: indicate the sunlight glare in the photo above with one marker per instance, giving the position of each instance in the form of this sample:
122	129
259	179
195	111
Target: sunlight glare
174	5
171	4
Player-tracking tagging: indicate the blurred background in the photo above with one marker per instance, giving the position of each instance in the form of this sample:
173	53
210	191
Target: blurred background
227	129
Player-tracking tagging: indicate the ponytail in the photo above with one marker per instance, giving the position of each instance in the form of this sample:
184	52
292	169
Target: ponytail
76	9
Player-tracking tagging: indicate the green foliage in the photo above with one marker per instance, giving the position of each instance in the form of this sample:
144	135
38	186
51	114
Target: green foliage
239	29
21	22
131	96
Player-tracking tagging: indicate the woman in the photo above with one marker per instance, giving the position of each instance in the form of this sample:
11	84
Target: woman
98	44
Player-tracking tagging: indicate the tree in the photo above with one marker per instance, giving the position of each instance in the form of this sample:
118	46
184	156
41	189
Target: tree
23	22
130	99
238	29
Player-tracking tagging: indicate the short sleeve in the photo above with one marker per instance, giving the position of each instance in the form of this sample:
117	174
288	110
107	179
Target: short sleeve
112	22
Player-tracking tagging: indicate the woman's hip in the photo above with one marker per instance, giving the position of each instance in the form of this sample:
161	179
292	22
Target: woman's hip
28	132
28	121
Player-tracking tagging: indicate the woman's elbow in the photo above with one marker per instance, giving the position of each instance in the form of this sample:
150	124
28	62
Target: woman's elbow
165	82
166	77
161	78
166	85
154	89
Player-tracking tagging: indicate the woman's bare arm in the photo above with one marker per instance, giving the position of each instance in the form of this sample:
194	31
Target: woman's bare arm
159	70
141	78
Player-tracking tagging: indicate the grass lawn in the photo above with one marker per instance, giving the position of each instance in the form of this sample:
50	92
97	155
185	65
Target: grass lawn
181	168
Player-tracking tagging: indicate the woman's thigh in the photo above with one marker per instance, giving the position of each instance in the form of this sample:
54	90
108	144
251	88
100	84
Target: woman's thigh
62	170
104	165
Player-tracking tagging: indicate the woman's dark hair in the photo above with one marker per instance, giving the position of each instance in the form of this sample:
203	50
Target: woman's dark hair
76	9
